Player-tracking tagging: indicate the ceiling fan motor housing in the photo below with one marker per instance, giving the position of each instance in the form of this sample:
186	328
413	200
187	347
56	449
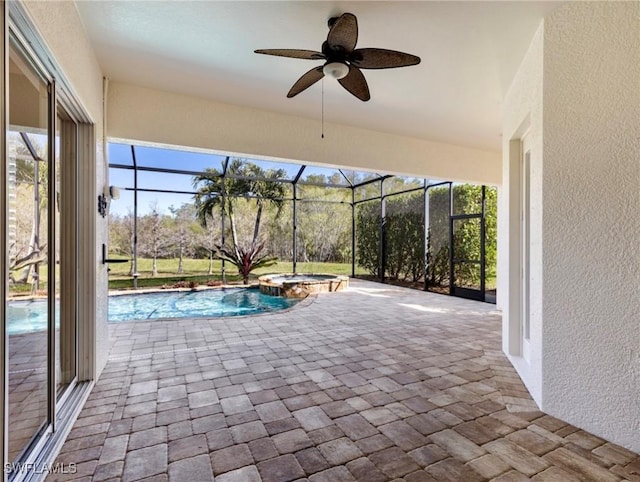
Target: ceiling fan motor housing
333	53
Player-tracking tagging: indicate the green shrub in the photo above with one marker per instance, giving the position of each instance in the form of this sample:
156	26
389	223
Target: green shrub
404	236
368	236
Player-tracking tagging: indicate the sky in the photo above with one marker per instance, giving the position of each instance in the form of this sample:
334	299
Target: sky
173	159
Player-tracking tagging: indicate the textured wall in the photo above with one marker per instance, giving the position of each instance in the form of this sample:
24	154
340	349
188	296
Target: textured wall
153	116
59	25
522	114
591	224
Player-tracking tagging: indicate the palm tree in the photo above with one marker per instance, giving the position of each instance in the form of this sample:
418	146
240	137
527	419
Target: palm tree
240	180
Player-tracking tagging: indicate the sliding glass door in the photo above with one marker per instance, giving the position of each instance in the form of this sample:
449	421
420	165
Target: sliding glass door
41	297
30	244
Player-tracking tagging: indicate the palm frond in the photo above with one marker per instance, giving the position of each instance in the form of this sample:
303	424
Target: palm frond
246	259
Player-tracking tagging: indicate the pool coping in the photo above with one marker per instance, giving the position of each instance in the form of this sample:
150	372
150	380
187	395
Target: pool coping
157	289
142	291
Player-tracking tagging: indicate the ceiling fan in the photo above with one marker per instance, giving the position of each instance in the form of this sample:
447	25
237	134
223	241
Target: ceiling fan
342	60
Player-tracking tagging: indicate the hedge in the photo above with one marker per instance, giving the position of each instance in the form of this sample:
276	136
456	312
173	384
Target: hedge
404	236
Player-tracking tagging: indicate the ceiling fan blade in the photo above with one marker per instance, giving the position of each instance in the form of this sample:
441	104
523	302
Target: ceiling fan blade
343	35
306	81
355	83
381	59
293	53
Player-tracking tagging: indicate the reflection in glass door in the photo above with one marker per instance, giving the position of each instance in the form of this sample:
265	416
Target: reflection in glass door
65	227
29	307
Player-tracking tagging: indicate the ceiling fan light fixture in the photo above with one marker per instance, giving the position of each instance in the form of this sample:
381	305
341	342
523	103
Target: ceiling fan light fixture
335	70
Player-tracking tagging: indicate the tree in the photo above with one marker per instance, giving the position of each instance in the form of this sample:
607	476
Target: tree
157	238
121	236
31	190
324	229
207	238
183	220
242	181
279	233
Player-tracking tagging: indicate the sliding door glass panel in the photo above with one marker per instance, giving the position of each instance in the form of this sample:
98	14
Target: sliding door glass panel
65	229
27	314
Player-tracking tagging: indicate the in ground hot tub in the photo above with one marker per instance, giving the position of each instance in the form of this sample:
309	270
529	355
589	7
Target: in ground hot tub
301	285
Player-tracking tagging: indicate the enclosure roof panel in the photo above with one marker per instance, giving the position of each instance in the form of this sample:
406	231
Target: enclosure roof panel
161	159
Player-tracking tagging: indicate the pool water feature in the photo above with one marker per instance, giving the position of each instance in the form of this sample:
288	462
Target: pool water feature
299	285
26	316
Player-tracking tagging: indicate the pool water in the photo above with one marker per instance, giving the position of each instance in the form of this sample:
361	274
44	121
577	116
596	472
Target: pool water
29	316
193	304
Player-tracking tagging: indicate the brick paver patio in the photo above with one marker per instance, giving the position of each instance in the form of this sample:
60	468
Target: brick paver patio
372	384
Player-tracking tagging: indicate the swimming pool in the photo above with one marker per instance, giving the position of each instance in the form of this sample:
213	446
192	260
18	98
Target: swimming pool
28	316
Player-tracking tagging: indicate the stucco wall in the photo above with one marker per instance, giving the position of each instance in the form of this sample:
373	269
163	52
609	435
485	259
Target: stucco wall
591	223
59	25
522	115
148	115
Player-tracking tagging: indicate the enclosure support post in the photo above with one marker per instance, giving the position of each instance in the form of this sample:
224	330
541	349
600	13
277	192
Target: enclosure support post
451	254
353	232
134	266
222	240
482	246
222	217
427	224
383	231
295	228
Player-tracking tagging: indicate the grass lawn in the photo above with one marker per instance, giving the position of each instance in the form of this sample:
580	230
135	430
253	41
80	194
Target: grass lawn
196	270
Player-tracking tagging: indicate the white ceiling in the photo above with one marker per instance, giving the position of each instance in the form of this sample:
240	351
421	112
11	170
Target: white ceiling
470	52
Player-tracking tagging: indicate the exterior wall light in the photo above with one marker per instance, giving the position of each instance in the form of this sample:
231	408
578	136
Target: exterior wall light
103	200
